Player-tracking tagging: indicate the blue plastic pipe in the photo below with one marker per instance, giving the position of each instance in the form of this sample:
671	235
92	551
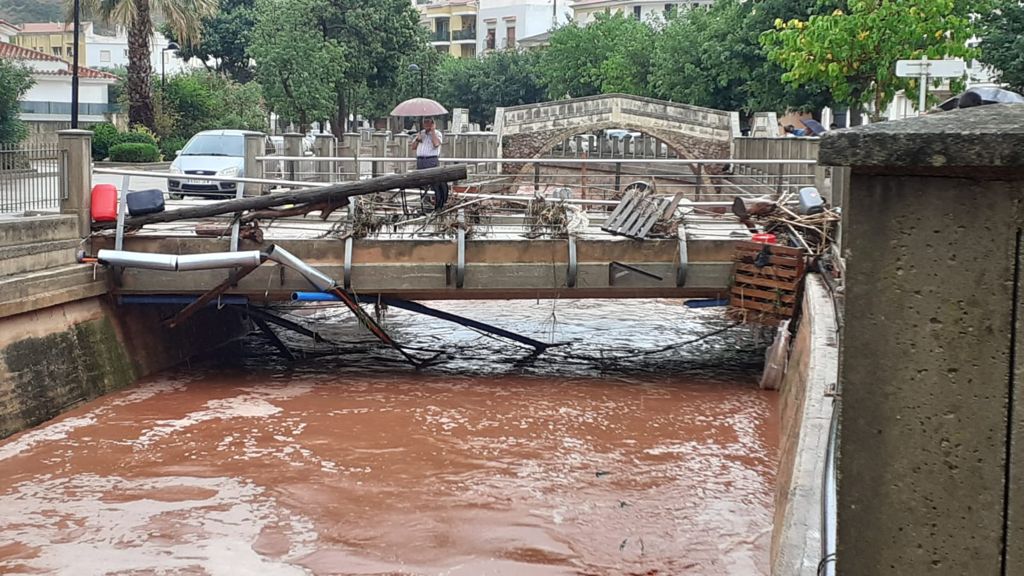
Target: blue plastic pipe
706	303
314	297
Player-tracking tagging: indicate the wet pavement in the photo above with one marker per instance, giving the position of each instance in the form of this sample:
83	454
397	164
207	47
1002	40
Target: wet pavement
636	457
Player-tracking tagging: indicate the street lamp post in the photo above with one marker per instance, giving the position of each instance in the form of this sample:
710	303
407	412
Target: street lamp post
416	68
163	61
74	66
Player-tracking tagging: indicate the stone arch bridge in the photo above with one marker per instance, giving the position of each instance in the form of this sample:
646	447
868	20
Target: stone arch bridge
690	131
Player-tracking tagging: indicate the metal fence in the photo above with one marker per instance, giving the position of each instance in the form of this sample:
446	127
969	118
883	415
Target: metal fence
32	178
585	179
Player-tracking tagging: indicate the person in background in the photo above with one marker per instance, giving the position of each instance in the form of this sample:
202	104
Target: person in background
791	131
428	151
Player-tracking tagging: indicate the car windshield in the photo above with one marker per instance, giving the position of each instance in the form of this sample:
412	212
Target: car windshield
215	145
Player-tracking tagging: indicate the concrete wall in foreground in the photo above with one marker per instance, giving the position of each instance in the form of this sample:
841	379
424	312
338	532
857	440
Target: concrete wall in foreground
54	358
806	413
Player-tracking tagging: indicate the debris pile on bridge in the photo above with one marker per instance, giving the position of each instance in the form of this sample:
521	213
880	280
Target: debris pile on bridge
812	232
324	199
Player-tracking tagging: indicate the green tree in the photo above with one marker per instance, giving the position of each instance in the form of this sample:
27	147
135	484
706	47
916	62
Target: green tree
308	51
225	37
136	16
14	82
1002	42
505	78
613	54
379	103
854	53
296	63
704	57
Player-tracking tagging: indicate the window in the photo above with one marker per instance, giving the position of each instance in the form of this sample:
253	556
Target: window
636	12
510	37
468	50
490	38
57	50
104	55
668	9
125	52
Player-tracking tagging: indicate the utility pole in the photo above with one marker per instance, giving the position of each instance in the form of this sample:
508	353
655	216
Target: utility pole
74	67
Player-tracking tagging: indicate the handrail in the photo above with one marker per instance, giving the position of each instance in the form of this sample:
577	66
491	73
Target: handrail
702	161
168	176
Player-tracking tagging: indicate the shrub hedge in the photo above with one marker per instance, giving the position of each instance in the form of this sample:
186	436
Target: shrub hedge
134	152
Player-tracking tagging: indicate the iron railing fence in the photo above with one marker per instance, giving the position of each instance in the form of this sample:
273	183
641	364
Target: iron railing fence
32	178
494	201
584	179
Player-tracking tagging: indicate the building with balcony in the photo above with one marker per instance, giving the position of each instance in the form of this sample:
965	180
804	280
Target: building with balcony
585	11
503	23
46	106
452	26
52	38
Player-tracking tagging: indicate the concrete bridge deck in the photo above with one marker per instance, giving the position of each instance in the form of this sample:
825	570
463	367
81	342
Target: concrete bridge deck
414	263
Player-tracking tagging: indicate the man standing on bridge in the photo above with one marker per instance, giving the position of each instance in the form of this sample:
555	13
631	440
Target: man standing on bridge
428	149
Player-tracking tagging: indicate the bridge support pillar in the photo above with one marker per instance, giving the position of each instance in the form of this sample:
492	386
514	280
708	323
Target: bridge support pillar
77	198
931	449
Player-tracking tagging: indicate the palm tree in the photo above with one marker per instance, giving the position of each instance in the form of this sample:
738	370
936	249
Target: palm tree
183	16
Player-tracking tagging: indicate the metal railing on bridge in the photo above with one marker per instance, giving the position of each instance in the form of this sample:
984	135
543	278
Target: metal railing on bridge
716	180
32	177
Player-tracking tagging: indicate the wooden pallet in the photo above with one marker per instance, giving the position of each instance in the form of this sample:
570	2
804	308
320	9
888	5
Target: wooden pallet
638	212
766	287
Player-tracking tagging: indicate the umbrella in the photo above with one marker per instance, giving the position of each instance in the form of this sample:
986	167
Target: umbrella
814	126
419	107
988	94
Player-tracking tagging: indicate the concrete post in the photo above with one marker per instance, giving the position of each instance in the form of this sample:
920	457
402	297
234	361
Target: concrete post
323	147
256	145
379	142
400	149
931	453
293	147
77	193
349	148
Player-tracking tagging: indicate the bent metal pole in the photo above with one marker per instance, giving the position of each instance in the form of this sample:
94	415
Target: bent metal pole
249	258
327	284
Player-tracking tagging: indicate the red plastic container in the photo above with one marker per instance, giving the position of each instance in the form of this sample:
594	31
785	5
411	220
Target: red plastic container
104	203
764	238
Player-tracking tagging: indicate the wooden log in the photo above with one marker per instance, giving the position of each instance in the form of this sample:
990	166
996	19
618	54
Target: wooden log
332	194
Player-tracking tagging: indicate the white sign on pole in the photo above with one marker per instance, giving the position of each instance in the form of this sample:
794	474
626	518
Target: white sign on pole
933	68
924	69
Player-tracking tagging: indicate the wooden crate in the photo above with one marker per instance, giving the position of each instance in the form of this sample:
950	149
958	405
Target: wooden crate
769	293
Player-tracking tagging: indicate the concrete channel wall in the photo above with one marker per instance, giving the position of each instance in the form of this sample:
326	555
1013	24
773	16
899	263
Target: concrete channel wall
61	340
806	412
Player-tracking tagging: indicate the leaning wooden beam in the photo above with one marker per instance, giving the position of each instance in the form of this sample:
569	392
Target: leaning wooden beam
206	298
333	195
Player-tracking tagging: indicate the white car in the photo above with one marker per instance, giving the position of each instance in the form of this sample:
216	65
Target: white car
210	153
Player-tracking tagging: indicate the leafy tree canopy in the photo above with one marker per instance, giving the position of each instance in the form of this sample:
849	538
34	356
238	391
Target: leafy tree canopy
853	53
1002	42
321	58
225	37
14	82
506	78
612	54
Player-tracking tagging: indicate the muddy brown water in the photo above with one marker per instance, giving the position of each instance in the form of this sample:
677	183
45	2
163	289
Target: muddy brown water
605	457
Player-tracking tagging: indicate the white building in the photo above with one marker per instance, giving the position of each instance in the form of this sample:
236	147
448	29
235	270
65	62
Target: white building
46	107
111	51
586	11
502	23
7	31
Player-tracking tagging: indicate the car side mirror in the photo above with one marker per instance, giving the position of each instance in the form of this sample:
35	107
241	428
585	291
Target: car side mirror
177	152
